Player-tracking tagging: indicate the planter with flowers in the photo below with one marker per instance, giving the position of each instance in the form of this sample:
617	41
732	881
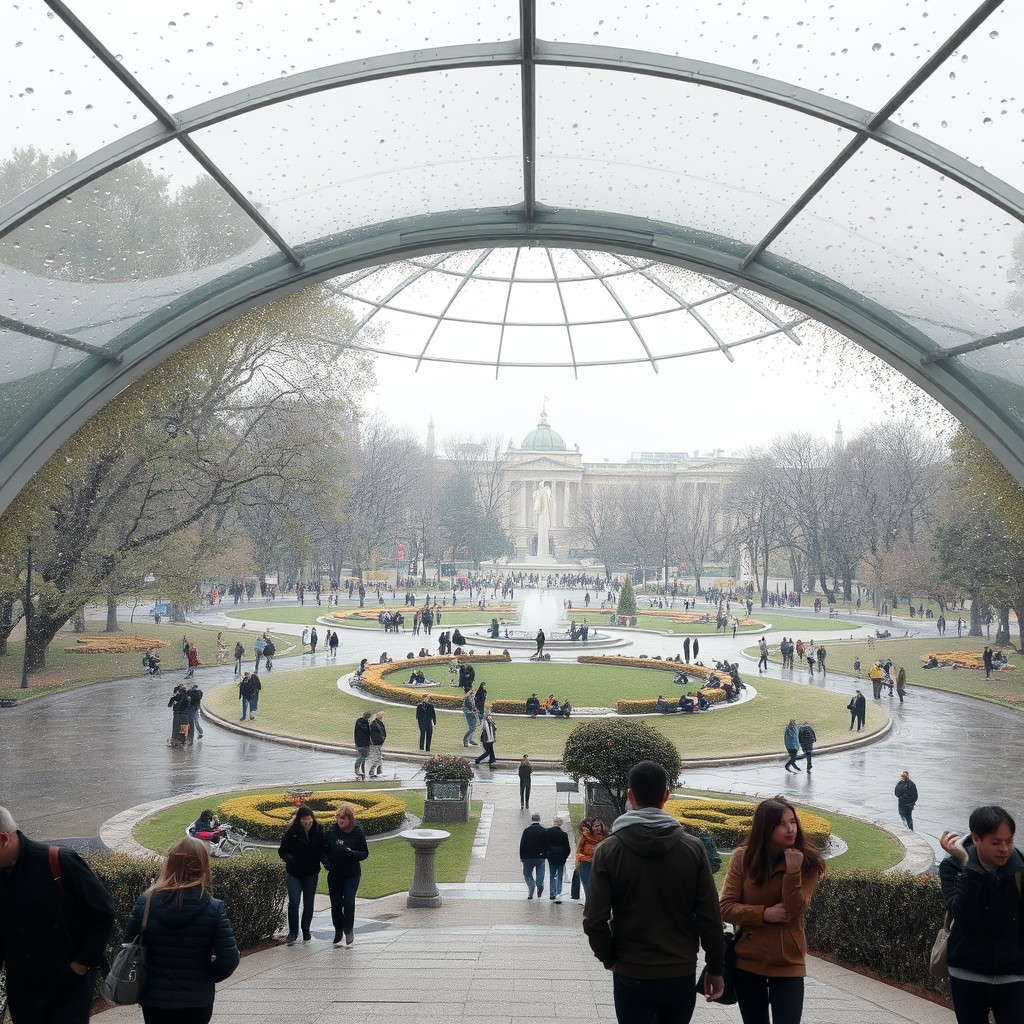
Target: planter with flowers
449	783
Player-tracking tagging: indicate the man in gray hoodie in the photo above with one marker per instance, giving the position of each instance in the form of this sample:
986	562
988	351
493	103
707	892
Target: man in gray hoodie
647	940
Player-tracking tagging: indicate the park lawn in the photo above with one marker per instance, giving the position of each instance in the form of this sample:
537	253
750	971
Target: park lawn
1004	687
65	671
308	616
307	704
387	870
787	623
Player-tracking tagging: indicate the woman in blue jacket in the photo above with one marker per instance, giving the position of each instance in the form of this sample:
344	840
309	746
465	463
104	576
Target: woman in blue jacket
188	939
344	851
301	848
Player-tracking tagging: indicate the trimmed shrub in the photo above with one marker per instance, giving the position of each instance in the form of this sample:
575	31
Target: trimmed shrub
885	922
627	599
448	768
265	816
649	706
728	822
375	676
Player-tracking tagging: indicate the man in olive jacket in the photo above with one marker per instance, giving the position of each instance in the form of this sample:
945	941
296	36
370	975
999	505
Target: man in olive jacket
52	934
652	896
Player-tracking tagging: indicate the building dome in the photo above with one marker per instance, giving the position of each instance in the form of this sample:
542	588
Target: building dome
542	438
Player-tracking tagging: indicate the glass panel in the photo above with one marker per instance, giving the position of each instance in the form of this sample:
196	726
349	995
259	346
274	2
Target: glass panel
185	57
371	153
973	103
997	373
130	243
859	52
57	98
465	341
672	152
913	242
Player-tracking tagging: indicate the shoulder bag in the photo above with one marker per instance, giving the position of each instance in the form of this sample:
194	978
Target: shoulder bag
728	997
127	976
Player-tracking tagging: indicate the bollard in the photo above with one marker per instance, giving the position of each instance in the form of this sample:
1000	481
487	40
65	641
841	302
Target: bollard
424	892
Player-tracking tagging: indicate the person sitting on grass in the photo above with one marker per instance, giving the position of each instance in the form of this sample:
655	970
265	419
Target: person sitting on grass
549	702
703	704
687	705
417	678
663	706
555	710
566	708
533	708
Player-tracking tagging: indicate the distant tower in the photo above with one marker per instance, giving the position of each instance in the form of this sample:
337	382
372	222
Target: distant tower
430	437
839	436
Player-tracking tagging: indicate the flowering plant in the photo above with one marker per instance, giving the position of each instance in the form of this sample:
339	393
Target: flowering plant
448	768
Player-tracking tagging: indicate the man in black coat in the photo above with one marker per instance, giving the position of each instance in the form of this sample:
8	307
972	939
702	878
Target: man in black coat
858	710
426	719
55	920
558	850
533	849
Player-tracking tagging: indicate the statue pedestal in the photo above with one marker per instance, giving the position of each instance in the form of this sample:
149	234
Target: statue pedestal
424	891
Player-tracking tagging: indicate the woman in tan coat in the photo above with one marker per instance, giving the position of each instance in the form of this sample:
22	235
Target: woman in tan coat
592	832
767	888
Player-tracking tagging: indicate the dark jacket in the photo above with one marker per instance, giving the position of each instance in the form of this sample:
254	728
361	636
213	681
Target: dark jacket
378	734
362	732
906	794
558	845
189	946
651	898
425	714
986	908
480	700
344	851
301	851
33	940
533	844
807	737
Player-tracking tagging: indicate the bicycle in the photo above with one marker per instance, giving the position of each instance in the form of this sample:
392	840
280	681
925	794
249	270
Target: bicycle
236	843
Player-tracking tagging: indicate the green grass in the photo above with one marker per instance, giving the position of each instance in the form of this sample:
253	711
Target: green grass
66	671
307	617
308	705
387	870
787	623
1006	688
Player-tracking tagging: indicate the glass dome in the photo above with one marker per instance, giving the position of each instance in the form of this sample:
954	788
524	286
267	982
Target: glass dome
748	166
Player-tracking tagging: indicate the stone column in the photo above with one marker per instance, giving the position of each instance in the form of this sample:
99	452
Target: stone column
424	891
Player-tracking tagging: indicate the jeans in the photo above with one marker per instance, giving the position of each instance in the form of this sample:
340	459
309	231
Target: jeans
907	814
249	707
653	1000
364	753
470	728
755	993
584	869
533	872
557	871
808	755
303	889
792	758
343	902
193	720
238	666
973	999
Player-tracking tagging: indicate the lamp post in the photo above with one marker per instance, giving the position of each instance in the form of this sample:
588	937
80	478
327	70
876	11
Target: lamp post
32	537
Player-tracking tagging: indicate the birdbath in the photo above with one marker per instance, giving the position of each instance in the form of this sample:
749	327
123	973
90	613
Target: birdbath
424	892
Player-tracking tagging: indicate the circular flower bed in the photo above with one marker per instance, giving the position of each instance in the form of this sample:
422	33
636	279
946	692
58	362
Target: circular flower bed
648	706
373	681
728	823
371	614
104	644
962	659
266	815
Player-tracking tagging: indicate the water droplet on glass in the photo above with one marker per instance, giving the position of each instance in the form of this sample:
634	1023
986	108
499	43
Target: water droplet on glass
963	59
943	124
991	35
16	45
986	120
29	90
239	5
210	44
952	76
876	47
172	24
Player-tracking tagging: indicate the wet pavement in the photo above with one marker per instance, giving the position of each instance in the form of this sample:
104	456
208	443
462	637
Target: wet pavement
72	760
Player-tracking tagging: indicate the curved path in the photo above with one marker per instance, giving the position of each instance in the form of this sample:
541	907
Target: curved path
73	760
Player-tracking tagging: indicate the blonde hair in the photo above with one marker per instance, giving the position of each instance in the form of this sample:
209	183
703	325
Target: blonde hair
187	866
346	807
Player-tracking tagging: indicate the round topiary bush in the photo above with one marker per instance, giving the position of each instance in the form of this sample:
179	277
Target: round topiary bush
265	816
728	822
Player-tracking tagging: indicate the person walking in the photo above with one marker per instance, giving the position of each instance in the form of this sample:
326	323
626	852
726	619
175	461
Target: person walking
762	661
179	716
239	655
361	738
378	734
345	850
469	711
193	661
821	658
558	850
791	738
906	799
525	782
249	694
301	848
686	650
52	938
195	704
533	848
986	659
332	643
593	832
857	708
313	640
901	683
189	942
258	646
696	649
652	903
480	700
767	890
269	650
426	719
807	739
541	639
488	736
980	886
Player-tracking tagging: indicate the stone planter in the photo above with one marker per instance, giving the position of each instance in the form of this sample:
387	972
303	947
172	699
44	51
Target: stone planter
447	801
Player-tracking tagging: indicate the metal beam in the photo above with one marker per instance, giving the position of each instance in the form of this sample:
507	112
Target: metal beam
55	338
528	85
973	346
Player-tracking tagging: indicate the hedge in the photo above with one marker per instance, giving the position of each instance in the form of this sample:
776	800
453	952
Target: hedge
252	889
265	816
373	681
728	822
885	922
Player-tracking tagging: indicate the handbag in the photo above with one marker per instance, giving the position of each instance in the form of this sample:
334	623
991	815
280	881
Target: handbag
127	977
938	962
574	887
728	996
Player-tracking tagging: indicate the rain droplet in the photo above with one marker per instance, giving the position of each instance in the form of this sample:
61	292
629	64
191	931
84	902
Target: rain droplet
239	5
952	76
986	120
943	124
991	35
29	90
172	24
876	47
16	45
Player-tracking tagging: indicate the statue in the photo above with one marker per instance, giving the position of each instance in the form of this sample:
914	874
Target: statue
544	510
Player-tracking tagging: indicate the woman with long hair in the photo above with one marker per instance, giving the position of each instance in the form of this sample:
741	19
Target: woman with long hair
592	832
301	848
189	942
768	887
344	851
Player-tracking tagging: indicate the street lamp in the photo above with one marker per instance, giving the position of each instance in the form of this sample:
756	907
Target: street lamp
32	538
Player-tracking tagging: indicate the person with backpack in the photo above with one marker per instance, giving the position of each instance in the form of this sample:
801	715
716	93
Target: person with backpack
239	655
249	694
807	738
269	650
361	738
378	734
258	648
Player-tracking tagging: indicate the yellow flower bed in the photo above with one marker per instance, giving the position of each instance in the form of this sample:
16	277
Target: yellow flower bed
371	614
650	705
728	822
113	644
692	618
266	815
961	659
374	681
